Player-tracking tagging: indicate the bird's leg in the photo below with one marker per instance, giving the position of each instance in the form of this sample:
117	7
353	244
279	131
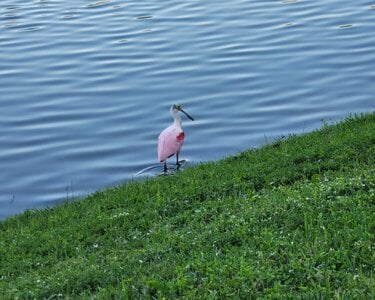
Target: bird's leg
177	162
165	166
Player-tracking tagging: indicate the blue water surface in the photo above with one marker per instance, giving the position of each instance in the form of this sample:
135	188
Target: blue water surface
85	87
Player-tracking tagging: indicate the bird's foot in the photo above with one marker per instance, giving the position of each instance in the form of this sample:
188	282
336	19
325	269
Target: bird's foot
180	162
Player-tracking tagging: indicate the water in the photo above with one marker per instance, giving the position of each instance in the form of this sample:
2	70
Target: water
85	87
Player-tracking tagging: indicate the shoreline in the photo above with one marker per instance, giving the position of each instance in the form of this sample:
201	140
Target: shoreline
294	218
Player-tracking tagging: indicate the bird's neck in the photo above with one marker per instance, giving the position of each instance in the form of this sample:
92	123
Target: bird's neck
176	118
177	121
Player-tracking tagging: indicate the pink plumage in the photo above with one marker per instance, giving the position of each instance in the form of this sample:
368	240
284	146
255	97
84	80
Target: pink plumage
172	138
170	142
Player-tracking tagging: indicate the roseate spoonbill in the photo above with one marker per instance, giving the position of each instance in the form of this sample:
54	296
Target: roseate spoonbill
171	138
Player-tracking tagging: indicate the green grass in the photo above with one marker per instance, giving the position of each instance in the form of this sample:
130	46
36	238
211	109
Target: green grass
294	219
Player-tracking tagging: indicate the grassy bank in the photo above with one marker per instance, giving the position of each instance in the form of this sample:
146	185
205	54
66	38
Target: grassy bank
292	219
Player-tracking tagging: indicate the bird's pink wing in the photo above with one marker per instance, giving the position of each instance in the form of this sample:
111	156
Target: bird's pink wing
170	142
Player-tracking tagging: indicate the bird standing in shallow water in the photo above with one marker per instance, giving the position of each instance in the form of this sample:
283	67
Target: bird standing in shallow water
171	138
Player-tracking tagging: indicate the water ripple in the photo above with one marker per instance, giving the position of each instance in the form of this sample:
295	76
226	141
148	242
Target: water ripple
98	4
86	85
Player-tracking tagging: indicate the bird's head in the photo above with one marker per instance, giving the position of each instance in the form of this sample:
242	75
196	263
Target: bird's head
177	107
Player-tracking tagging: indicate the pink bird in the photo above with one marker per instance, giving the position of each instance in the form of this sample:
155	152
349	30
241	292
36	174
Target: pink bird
171	139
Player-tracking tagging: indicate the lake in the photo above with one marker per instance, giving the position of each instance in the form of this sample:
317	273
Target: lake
86	87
